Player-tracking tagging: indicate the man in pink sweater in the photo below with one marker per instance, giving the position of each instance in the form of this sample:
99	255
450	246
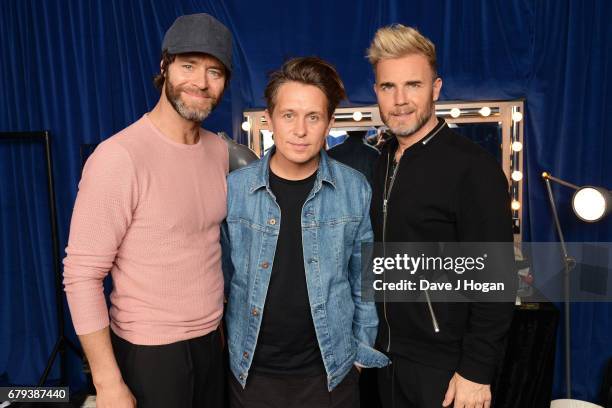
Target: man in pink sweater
149	206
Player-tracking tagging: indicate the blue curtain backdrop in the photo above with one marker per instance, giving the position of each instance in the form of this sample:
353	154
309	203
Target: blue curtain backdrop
83	69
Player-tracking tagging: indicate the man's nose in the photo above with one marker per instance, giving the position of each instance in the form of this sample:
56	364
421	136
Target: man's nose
399	98
201	80
300	127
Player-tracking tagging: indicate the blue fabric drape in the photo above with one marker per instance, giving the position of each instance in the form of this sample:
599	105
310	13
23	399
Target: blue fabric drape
27	279
83	70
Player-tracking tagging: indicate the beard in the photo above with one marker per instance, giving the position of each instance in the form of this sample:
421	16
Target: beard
409	130
173	94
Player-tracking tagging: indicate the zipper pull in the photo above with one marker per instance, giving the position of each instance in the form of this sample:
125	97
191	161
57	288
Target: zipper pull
434	321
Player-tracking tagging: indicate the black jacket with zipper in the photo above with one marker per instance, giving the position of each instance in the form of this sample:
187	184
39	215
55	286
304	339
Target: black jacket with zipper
446	189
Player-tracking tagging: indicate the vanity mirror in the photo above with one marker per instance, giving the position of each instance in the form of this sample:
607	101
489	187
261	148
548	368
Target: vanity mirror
495	125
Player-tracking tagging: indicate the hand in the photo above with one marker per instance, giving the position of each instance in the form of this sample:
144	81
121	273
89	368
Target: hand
467	394
115	395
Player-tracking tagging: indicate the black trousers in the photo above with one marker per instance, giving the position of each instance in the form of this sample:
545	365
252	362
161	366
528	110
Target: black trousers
407	384
267	391
184	374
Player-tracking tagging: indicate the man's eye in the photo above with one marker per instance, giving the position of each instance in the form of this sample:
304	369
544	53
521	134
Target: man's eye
288	115
188	67
313	118
214	73
385	87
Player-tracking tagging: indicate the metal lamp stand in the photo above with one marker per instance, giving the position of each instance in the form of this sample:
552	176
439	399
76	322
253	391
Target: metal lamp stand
569	263
62	341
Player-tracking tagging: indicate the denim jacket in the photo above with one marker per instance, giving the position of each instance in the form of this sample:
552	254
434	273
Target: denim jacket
335	222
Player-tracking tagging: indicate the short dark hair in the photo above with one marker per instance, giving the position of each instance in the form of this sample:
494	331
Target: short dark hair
309	71
166	60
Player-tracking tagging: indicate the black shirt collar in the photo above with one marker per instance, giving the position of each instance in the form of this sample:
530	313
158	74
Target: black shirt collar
393	143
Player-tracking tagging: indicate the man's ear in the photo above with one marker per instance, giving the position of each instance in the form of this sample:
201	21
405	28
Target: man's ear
268	117
163	71
437	86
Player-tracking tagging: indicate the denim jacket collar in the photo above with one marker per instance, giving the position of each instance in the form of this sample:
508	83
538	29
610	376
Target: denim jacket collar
324	172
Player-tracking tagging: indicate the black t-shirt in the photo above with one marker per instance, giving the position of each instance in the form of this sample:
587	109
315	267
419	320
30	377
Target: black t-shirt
287	342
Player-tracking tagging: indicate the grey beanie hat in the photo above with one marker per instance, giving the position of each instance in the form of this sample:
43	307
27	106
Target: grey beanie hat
199	33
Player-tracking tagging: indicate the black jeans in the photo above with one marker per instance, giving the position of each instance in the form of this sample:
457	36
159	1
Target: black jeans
267	391
407	384
184	374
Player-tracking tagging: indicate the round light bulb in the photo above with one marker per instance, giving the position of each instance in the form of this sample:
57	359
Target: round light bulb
589	204
515	205
485	111
455	112
517	146
357	116
517	116
246	126
517	175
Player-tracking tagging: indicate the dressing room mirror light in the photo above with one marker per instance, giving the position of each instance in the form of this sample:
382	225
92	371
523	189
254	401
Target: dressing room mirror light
497	126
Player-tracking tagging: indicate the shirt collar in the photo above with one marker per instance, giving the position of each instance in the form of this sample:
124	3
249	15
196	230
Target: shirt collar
424	140
324	172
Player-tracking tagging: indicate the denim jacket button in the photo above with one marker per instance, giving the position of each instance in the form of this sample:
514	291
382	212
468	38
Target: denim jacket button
272	221
265	265
245	355
241	376
254	311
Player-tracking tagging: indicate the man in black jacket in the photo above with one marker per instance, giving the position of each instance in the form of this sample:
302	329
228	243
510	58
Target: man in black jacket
432	185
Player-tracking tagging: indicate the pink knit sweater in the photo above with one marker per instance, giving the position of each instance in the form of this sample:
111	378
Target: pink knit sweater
148	210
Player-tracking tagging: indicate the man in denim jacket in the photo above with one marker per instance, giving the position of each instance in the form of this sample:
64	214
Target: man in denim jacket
298	330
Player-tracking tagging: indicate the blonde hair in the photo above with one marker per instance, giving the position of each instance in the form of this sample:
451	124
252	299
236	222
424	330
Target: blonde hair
396	41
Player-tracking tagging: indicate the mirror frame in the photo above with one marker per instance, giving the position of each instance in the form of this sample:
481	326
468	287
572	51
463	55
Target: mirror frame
508	114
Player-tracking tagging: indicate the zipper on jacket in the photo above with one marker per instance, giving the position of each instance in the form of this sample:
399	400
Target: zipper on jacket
386	195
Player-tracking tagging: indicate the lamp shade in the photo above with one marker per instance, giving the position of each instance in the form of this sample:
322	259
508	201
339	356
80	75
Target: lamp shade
591	204
239	155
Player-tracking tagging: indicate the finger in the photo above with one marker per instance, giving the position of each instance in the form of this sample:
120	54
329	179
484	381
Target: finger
487	404
450	394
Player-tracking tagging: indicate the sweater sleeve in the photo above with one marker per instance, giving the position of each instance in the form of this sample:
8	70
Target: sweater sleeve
106	200
484	216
